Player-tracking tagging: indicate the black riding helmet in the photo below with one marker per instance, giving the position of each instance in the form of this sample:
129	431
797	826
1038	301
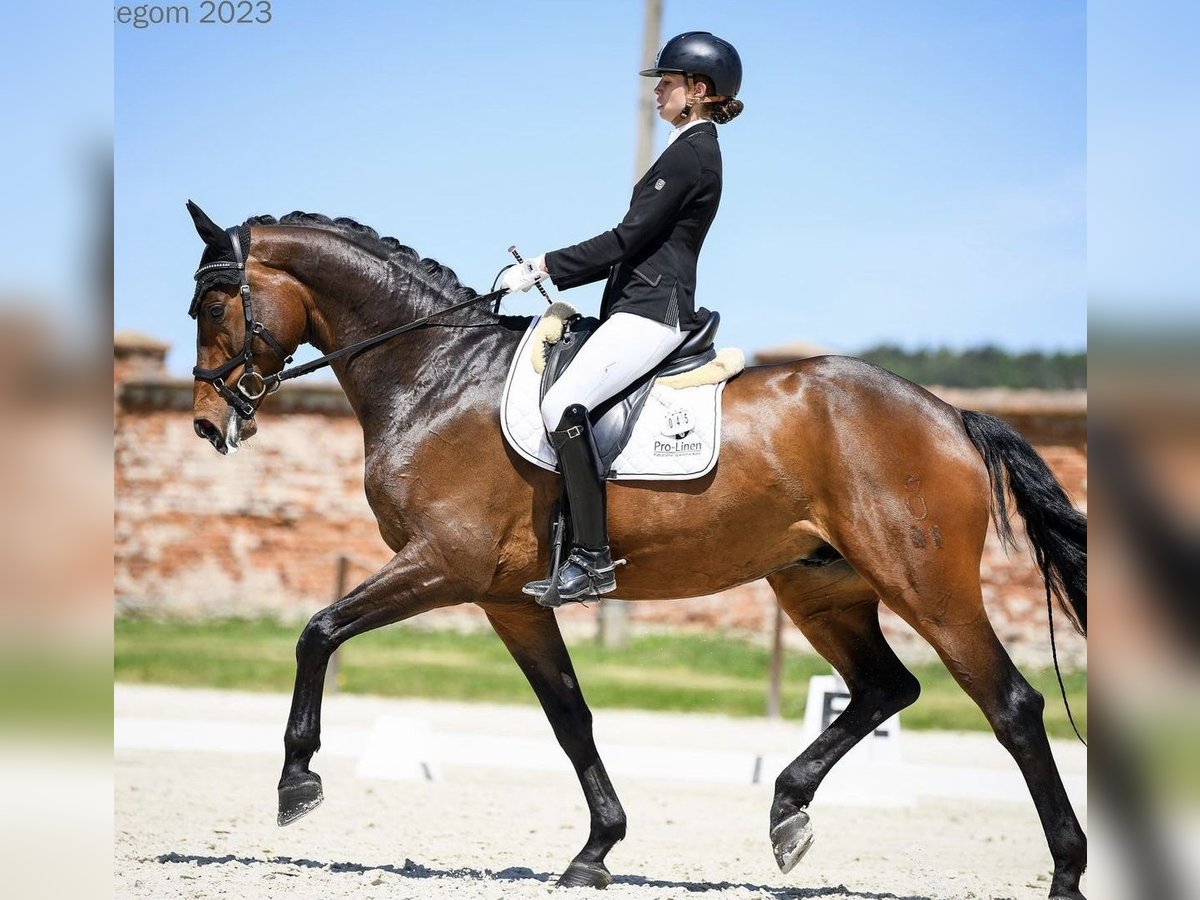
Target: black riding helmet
701	53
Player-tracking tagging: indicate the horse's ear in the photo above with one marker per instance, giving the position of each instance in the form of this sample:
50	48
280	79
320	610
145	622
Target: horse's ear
210	232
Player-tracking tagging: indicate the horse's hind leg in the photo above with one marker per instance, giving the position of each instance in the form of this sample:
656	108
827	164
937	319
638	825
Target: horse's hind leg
935	587
844	630
532	637
408	585
982	667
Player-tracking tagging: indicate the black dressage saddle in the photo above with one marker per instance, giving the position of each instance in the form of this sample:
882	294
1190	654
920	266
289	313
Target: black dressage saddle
613	420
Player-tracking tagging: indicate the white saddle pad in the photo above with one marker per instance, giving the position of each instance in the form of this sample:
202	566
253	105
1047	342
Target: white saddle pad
677	435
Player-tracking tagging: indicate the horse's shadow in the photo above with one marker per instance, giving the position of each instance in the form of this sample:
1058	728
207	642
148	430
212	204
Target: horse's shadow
411	869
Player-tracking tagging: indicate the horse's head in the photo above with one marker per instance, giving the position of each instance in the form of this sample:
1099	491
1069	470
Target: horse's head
250	318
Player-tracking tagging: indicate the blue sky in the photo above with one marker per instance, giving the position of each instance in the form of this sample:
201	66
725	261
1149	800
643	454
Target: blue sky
907	172
1143	142
58	105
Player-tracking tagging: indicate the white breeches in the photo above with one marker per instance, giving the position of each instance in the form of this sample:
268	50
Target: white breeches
621	350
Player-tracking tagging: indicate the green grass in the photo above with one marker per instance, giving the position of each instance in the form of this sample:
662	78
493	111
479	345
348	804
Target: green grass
55	691
682	673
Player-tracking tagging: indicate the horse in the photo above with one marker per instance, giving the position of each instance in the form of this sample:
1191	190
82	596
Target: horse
843	485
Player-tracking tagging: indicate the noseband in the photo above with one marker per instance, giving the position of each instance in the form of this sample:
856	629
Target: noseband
251	385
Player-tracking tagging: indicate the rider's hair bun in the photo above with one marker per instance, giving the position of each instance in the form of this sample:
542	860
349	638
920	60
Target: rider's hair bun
724	110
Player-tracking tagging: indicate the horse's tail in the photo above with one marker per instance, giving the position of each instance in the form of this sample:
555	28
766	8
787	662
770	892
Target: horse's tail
1057	531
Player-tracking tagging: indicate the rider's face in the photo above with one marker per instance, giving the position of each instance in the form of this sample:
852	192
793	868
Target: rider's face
671	96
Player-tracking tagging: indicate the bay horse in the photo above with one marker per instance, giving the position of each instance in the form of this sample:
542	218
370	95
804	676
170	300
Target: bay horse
843	485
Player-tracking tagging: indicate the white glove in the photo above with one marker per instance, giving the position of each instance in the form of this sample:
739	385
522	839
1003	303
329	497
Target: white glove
522	276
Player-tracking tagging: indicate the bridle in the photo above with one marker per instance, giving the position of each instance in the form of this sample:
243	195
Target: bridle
252	386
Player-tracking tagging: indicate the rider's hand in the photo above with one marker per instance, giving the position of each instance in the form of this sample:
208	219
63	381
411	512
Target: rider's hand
522	276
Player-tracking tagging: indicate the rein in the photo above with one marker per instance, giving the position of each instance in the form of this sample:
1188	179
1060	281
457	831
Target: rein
321	362
252	385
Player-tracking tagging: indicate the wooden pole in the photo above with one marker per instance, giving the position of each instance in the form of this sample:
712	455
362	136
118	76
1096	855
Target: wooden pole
647	115
776	666
339	591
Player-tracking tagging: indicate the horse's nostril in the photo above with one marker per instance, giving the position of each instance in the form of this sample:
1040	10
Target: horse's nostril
206	430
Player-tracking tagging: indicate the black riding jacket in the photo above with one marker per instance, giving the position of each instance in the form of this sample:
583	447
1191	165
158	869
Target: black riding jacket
650	258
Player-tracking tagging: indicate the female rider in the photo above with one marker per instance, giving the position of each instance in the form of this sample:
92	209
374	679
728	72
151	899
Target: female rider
648	304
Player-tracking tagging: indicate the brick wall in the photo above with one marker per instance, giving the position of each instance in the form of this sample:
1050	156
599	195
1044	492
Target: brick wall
200	534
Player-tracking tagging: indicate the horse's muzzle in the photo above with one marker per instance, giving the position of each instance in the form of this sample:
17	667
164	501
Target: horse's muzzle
211	433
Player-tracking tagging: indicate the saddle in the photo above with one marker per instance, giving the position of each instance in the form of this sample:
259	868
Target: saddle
613	420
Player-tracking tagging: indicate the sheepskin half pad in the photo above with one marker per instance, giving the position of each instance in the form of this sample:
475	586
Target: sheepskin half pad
677	436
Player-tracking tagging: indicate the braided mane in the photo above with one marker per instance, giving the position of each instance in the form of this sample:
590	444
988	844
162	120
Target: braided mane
439	277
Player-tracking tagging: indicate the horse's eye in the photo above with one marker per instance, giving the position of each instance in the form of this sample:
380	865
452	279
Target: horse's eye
216	312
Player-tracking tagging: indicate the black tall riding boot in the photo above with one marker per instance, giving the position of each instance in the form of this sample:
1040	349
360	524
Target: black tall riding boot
588	570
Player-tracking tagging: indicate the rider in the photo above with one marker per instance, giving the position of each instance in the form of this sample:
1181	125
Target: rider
648	305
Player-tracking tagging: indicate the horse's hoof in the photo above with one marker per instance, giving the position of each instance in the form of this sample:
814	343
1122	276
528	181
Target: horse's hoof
790	840
299	799
580	874
1066	887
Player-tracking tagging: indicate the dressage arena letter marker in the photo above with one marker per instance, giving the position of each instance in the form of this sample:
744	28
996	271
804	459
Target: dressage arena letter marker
827	698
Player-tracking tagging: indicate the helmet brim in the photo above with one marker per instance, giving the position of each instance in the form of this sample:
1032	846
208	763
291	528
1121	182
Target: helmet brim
654	73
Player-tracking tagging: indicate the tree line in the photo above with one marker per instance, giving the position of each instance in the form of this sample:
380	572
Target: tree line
987	366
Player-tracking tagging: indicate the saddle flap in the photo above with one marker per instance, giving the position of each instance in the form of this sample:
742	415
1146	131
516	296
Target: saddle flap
658	429
614	419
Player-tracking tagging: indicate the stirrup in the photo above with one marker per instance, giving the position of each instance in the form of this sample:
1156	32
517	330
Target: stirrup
587	583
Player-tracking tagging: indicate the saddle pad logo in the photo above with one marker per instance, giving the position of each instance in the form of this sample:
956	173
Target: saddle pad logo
659	185
677	448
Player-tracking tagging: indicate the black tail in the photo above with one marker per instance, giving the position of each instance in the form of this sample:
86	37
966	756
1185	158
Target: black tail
1057	530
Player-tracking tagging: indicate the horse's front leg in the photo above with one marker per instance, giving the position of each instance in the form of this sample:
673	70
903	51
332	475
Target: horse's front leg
532	637
412	582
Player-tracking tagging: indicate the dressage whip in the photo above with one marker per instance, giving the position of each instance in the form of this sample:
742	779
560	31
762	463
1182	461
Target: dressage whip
536	284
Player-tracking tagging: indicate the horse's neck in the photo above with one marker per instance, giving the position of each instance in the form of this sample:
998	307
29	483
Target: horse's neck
403	382
354	294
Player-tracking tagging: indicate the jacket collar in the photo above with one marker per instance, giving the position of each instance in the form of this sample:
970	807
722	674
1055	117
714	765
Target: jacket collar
704	127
